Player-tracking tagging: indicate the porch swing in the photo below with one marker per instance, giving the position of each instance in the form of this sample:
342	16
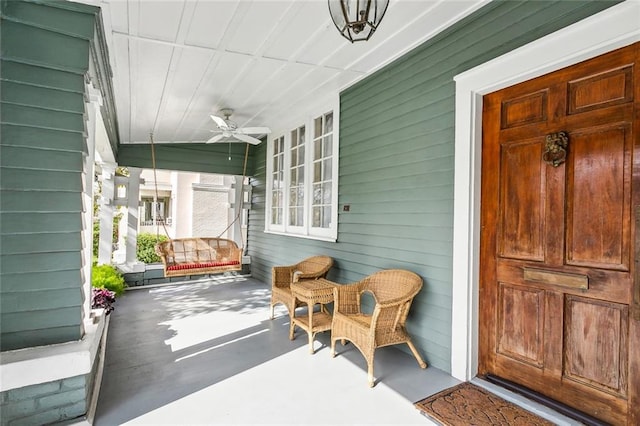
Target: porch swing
198	255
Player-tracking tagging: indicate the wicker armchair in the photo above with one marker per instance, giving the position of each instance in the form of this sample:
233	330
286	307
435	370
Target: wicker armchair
393	291
282	276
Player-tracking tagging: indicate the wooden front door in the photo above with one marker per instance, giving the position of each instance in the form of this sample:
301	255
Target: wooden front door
559	296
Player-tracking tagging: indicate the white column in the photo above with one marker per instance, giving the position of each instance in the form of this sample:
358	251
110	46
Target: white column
235	232
133	217
107	208
93	115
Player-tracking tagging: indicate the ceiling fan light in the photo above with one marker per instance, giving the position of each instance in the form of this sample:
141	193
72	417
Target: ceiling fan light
357	20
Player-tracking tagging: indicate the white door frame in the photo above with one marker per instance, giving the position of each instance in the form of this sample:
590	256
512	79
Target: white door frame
615	27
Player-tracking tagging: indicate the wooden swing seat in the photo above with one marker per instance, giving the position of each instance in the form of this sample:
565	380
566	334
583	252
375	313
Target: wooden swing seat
198	256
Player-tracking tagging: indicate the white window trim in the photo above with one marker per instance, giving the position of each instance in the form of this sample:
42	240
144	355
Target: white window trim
608	30
306	231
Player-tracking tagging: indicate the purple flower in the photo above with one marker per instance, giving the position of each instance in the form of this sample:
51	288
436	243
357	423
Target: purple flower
103	298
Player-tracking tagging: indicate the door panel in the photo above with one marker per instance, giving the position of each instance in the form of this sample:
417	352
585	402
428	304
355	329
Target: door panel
521	323
560	172
596	344
601	90
527	109
522	221
598	199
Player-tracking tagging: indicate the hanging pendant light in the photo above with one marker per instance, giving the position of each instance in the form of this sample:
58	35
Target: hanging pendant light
357	19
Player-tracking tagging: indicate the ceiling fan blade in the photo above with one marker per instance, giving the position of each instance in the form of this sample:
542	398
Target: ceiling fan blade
216	138
248	139
219	121
253	130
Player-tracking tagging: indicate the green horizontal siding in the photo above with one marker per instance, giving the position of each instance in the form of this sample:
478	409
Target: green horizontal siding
49	335
39	201
39	319
38	46
44	261
41	243
59	17
42	138
18	158
44	300
397	164
41	117
44	180
204	158
45	54
34	223
39	280
43	97
41	77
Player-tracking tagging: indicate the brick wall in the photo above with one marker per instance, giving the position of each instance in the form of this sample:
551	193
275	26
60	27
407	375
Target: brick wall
45	403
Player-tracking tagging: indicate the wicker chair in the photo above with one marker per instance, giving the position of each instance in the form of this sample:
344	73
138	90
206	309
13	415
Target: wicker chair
393	291
282	276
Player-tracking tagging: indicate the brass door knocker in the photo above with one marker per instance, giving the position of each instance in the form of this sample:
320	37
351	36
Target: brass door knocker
555	148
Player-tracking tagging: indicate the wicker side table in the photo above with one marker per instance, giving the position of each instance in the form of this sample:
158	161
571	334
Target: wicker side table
312	292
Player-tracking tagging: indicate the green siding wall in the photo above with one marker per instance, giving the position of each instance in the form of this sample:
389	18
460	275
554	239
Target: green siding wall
397	164
203	158
44	58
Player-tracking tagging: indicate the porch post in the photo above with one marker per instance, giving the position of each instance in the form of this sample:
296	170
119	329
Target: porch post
133	215
236	229
107	208
93	115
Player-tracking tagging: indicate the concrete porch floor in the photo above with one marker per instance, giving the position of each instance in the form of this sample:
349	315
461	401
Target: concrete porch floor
206	352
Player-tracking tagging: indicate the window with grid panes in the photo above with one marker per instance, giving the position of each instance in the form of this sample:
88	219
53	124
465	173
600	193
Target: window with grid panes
296	182
304	204
277	182
322	171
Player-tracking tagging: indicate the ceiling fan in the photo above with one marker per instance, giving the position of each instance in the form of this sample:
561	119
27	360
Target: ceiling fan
229	129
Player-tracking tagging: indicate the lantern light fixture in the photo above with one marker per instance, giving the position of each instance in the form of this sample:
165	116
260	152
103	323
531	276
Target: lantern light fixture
357	20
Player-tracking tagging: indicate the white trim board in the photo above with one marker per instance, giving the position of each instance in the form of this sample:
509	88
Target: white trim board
608	30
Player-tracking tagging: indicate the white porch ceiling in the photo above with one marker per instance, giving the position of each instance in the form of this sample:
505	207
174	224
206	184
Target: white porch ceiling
175	62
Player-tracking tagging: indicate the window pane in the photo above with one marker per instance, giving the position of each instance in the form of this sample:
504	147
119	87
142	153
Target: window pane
317	194
317	171
294	138
326	175
292	216
300	216
326	217
327	149
317	149
300	155
316	217
275	217
318	127
301	134
293	194
328	123
326	193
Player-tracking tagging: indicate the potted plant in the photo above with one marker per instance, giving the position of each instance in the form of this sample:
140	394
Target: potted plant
107	283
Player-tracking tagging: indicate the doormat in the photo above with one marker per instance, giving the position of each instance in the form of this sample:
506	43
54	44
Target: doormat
467	404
